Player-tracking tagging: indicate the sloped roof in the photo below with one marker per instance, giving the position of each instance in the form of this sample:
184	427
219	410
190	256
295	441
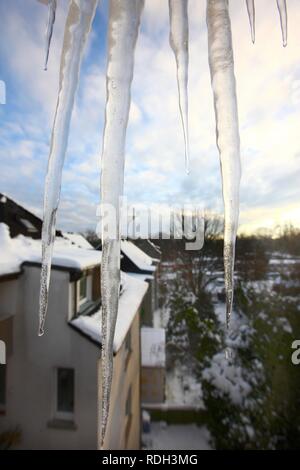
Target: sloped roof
143	261
149	248
20	220
78	240
16	251
130	300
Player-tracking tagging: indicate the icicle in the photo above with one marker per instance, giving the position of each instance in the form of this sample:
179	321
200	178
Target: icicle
224	90
49	31
251	15
78	25
281	4
179	39
124	19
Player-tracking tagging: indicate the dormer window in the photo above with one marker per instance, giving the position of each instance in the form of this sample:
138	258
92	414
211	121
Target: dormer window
28	225
84	293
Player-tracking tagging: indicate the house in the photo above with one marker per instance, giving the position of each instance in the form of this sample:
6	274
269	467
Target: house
153	374
140	265
49	387
148	247
20	220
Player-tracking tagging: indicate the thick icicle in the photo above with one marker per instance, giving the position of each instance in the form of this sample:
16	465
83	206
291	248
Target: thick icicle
78	25
281	4
49	31
251	15
227	129
179	41
124	20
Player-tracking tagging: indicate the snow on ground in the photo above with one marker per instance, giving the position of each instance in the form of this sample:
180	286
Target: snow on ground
177	437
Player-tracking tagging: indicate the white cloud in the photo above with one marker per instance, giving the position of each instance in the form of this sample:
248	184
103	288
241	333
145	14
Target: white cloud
268	78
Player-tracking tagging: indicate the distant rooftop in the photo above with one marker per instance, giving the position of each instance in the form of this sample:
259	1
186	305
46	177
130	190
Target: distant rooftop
138	257
18	250
78	240
153	343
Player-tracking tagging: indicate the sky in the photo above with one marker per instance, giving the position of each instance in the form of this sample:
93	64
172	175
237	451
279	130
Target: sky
268	89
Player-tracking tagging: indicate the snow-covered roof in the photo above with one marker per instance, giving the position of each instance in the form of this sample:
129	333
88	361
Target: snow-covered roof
137	256
155	247
129	303
15	251
153	344
142	276
78	240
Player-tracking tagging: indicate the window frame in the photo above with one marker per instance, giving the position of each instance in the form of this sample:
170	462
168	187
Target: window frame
128	403
88	294
128	347
59	414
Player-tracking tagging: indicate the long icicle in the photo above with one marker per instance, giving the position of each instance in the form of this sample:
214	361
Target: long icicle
281	4
251	15
227	129
78	25
179	41
49	30
124	20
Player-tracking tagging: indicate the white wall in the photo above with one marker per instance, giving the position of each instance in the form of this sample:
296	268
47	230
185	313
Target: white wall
30	369
9	291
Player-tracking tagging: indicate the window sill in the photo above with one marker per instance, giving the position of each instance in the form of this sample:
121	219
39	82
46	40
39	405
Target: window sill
88	308
62	424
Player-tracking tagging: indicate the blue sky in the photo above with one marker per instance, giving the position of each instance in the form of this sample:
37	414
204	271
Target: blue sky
268	81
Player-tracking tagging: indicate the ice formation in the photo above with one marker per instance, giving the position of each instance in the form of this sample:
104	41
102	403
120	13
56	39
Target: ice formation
124	20
251	14
78	25
228	141
179	41
49	31
281	4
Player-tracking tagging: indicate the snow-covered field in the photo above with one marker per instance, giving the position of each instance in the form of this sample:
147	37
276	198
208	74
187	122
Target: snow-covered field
177	437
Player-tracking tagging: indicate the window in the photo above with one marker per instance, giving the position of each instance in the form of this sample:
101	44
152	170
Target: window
127	348
128	342
128	416
65	393
2	386
30	227
84	291
128	403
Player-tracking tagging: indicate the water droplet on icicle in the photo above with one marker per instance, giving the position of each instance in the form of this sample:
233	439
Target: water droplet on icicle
49	30
78	25
124	21
179	41
224	90
251	15
281	4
